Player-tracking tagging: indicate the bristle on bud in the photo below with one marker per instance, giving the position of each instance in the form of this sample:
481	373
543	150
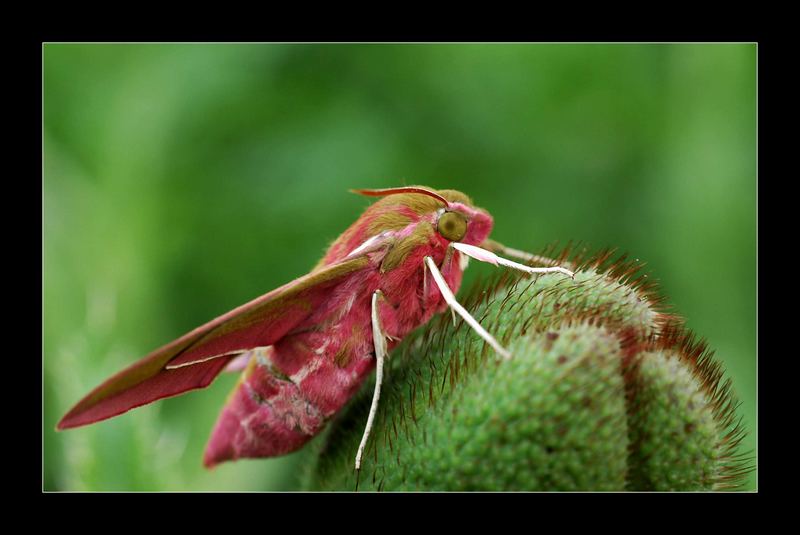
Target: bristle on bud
407	189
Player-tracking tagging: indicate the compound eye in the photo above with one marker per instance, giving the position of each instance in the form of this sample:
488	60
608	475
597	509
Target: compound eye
452	226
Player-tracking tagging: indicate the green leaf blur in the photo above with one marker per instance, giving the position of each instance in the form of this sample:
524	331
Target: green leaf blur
182	180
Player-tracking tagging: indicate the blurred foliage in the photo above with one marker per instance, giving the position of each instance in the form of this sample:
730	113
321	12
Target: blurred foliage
183	180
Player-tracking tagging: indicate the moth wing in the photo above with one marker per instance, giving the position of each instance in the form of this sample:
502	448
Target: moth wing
196	358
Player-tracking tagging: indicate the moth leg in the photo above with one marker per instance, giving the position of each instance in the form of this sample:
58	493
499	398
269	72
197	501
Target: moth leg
239	362
450	299
497	247
487	256
448	259
379	341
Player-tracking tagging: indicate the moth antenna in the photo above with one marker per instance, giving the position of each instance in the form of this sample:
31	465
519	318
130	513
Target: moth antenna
487	256
450	299
379	341
407	189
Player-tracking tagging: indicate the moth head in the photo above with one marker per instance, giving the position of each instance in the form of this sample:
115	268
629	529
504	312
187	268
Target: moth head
407	219
462	222
449	213
416	219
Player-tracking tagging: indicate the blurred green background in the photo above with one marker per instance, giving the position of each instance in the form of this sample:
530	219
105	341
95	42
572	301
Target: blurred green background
182	180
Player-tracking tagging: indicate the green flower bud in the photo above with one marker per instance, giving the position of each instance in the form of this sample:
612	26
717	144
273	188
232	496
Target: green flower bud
604	392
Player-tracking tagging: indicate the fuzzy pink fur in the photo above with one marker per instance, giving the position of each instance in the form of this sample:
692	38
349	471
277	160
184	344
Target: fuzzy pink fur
288	394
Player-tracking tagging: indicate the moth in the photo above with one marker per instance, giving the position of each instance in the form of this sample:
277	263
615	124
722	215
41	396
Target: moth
305	348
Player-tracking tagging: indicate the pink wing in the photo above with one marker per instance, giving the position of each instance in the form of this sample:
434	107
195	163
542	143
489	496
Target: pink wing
195	359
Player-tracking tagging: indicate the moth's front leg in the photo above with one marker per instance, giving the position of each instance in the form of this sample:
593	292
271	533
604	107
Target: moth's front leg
498	248
486	255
